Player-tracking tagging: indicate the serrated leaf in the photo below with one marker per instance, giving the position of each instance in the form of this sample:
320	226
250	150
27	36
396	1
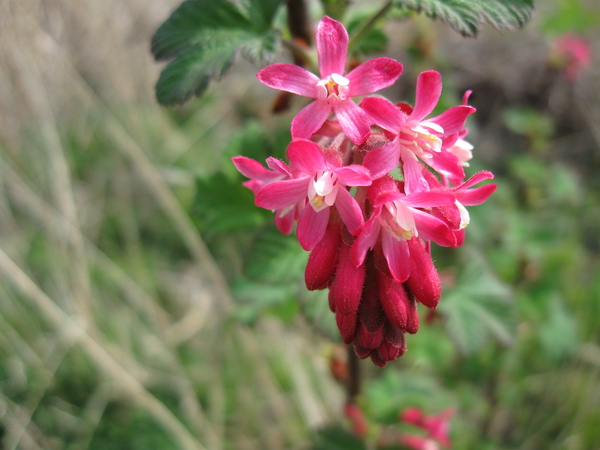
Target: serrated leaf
479	306
468	16
190	73
196	22
262	12
224	205
203	38
276	258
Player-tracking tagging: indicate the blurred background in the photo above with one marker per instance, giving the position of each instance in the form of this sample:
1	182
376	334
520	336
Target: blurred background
146	303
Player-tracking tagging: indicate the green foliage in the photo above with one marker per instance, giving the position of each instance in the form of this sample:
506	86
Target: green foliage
337	438
479	306
203	37
572	15
123	429
271	276
374	41
468	16
225	205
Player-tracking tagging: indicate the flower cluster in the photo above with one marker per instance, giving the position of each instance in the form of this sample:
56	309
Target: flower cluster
369	187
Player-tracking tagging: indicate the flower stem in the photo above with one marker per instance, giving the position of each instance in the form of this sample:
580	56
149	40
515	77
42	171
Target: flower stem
368	25
353	387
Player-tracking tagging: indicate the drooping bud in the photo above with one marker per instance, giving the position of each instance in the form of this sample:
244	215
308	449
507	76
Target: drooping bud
395	336
323	258
347	326
349	281
412	323
361	352
370	339
394	300
388	352
424	281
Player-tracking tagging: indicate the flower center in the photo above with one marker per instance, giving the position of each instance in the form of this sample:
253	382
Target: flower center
397	219
334	88
421	140
322	191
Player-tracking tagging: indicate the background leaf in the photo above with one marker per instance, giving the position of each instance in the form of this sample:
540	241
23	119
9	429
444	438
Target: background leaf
468	16
203	37
224	205
479	306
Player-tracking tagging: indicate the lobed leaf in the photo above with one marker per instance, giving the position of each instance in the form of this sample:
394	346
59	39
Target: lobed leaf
468	16
203	38
478	307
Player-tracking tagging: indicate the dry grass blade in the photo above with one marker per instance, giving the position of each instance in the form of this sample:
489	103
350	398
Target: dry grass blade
71	332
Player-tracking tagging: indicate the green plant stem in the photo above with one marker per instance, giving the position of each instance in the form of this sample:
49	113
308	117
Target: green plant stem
353	387
368	25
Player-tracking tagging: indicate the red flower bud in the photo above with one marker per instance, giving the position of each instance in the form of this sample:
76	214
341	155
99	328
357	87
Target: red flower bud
424	280
323	258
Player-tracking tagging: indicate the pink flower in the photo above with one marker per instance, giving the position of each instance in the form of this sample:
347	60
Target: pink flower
260	177
319	182
436	425
416	138
571	53
332	90
456	215
398	218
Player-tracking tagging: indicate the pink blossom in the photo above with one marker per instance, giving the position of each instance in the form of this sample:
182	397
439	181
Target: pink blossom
319	182
260	177
456	215
437	427
333	90
571	53
416	138
398	218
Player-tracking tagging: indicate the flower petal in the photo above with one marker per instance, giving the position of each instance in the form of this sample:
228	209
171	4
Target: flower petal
413	173
447	164
477	178
471	197
306	156
312	226
278	166
433	229
453	119
373	76
353	175
285	223
429	199
366	239
349	210
332	47
253	169
397	255
383	113
429	89
354	121
310	119
290	78
281	194
382	161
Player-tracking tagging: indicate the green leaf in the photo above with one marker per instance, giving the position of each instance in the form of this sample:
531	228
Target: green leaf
478	307
203	38
335	437
276	258
262	12
468	16
225	205
375	41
